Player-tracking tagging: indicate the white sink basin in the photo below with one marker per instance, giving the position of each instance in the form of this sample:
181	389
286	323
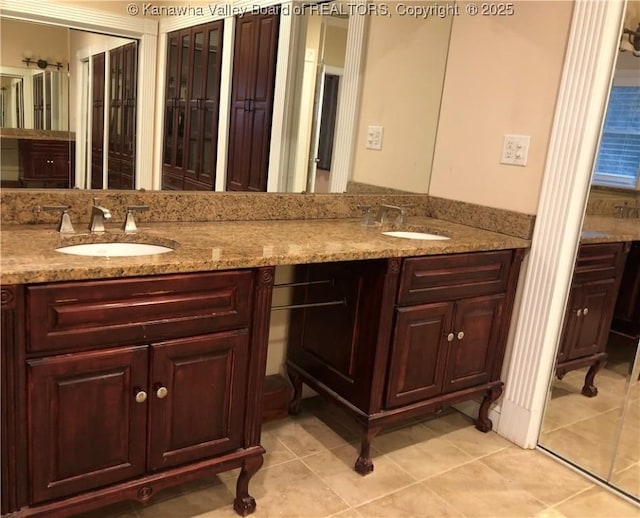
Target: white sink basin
114	249
416	235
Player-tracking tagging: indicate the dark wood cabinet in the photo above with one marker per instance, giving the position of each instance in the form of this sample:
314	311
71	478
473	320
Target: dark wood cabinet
97	120
86	428
116	389
589	312
394	339
122	116
46	163
626	318
192	101
254	66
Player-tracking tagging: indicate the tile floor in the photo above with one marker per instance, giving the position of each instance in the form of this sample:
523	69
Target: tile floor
586	430
432	468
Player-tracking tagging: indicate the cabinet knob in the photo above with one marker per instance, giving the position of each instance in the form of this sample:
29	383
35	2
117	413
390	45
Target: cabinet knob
460	335
579	312
585	311
141	396
161	392
450	337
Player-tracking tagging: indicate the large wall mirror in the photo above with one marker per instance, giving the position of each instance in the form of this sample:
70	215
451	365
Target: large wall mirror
592	416
326	98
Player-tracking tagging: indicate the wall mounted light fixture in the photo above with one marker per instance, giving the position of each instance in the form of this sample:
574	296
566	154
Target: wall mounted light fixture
40	63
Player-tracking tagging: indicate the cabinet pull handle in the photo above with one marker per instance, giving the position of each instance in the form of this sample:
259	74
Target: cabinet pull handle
579	312
141	396
460	335
450	337
161	392
585	311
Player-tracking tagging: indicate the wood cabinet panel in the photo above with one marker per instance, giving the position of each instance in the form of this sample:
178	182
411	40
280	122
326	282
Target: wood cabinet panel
627	311
46	163
253	85
201	411
451	277
474	347
79	315
418	353
192	100
85	426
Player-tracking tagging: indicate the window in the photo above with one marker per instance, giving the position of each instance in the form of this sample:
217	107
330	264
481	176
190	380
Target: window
618	163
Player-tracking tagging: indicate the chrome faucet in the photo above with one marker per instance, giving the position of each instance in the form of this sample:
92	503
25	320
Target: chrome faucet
98	215
385	210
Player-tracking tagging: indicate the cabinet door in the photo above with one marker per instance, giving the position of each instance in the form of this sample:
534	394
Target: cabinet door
252	102
570	327
197	398
476	332
418	353
596	301
86	429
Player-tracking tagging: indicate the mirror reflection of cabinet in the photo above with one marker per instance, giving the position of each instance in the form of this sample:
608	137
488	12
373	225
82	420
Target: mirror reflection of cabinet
192	99
254	70
592	298
122	116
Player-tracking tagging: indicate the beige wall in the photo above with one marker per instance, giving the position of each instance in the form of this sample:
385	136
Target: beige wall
503	76
335	45
44	41
403	73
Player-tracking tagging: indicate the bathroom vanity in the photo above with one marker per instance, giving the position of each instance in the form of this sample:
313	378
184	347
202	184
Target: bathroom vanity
411	337
123	387
125	376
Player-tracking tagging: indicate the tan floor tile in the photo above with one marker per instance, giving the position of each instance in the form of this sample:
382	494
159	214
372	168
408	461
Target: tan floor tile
307	434
291	489
335	467
593	457
191	504
598	503
420	451
119	510
276	451
416	501
477	490
628	479
550	513
349	513
458	429
546	479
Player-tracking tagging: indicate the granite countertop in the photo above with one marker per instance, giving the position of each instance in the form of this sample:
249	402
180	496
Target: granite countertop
32	134
607	229
28	252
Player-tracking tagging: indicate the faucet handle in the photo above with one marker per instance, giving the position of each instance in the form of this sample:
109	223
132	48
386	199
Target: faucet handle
64	226
367	216
129	224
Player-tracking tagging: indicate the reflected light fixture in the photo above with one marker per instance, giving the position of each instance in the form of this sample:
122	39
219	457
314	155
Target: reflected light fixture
40	63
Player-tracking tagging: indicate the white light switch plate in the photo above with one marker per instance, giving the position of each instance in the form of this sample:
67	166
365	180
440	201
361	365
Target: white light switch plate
515	150
374	137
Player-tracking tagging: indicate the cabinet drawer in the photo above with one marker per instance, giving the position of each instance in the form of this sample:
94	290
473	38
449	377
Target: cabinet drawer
599	261
448	277
91	314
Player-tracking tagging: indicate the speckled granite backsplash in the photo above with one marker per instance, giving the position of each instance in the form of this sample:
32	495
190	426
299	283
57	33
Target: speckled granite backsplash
603	202
21	206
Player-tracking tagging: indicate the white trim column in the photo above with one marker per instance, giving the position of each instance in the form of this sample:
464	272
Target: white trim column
349	101
584	87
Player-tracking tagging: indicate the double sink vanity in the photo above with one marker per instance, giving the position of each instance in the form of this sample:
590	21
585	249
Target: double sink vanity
123	375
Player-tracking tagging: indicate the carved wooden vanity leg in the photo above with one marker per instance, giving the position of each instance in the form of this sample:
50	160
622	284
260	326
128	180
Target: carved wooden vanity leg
296	402
364	464
589	389
244	503
483	423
